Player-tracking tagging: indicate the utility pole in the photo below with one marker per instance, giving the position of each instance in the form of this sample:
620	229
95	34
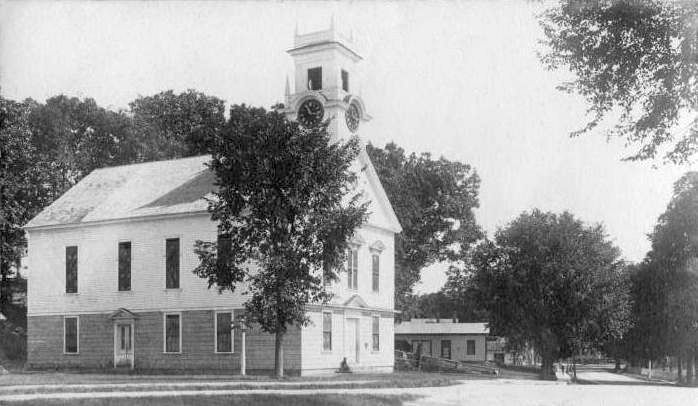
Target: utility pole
240	324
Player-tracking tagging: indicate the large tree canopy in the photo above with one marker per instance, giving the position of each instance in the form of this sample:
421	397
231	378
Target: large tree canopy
668	303
434	199
635	62
170	125
22	181
546	280
282	215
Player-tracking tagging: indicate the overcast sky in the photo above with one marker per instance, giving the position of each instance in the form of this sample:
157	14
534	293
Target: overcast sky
458	79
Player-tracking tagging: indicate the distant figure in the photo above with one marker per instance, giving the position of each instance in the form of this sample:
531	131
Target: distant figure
344	366
418	354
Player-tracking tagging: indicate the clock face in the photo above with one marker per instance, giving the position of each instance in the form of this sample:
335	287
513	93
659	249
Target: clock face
353	115
310	113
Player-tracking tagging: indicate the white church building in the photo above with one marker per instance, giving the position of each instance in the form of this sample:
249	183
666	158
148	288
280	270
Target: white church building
111	282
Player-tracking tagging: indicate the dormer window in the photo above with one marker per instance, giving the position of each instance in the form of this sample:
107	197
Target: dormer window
345	81
315	78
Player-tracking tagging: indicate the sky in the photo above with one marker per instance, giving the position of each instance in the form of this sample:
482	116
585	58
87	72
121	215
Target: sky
456	79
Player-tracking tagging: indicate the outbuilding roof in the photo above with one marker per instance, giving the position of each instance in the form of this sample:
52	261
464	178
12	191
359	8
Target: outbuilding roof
432	327
130	191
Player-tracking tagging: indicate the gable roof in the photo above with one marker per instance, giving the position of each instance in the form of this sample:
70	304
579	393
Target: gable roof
448	327
393	224
160	188
130	191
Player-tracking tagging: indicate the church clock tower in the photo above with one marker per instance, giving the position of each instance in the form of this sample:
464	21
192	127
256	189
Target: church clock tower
324	81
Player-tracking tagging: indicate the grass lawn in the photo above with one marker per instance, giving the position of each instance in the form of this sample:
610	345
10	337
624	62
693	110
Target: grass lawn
245	400
397	379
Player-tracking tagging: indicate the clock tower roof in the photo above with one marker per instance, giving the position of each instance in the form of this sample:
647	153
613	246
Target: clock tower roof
316	40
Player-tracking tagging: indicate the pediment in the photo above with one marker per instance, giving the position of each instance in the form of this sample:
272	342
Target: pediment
356	301
377	246
123	314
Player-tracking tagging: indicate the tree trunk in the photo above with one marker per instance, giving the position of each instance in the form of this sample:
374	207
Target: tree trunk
649	370
617	367
679	371
4	286
690	361
547	368
279	355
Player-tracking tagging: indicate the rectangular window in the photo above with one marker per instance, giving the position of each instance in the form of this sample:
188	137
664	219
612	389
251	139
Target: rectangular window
71	332
446	349
172	263
223	249
375	266
470	350
326	278
315	78
71	269
172	333
224	335
353	269
345	80
375	332
124	266
327	331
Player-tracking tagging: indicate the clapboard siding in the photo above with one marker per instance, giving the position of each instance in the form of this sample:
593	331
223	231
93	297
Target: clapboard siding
315	359
45	344
98	269
384	298
98	266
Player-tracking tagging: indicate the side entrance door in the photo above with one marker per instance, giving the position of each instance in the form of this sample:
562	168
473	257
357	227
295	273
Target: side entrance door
123	345
351	341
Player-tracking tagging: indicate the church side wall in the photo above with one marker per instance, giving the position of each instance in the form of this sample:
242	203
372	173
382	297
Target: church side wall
96	345
98	268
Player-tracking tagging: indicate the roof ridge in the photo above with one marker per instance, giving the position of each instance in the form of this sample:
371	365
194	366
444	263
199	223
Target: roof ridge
150	162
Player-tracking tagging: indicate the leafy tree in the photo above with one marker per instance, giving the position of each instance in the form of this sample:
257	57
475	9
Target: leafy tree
434	200
636	63
674	260
22	187
650	334
613	320
284	213
461	291
170	125
546	280
77	136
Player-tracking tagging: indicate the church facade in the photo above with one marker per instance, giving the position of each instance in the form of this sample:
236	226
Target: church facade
111	282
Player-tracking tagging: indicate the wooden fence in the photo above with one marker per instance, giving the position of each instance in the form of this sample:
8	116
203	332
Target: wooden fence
408	361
